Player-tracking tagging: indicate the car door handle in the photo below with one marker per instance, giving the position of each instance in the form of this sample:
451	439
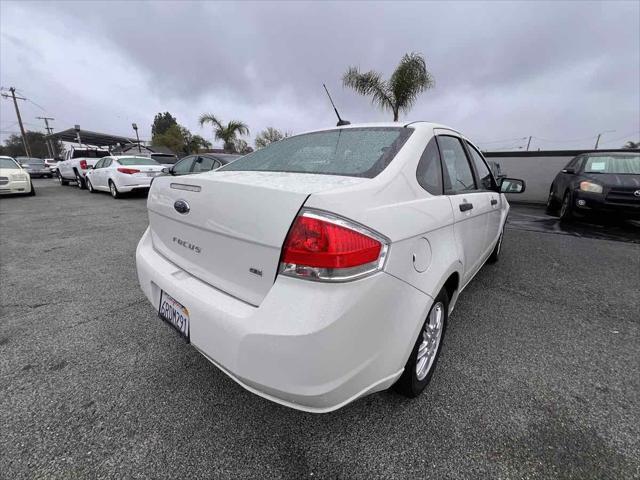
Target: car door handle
494	201
465	206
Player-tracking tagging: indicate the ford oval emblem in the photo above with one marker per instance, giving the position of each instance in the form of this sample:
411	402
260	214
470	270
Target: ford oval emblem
636	193
182	207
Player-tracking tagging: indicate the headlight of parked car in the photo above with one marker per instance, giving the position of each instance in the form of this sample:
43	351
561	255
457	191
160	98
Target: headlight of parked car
18	176
590	187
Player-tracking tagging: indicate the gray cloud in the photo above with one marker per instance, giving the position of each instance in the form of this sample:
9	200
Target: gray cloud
559	70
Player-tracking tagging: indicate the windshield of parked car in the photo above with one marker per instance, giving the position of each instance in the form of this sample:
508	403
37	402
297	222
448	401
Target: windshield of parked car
165	158
137	161
354	152
623	163
30	161
8	163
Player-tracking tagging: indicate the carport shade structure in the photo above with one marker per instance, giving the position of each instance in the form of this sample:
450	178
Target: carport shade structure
88	137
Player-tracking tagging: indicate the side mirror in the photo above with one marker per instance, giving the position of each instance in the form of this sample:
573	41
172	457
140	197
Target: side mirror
512	185
90	167
570	171
166	170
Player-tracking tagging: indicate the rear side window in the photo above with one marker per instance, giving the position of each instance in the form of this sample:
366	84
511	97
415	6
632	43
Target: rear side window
429	172
484	175
354	152
456	169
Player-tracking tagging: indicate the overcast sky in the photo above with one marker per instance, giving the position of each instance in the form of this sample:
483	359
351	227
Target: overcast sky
562	72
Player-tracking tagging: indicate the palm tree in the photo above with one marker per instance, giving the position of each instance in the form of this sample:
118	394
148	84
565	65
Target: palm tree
400	92
631	145
227	133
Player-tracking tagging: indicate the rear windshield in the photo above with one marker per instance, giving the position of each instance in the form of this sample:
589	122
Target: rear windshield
89	154
8	163
31	161
165	158
353	152
612	163
136	161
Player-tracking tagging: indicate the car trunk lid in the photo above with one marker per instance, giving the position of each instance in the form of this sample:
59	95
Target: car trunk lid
234	224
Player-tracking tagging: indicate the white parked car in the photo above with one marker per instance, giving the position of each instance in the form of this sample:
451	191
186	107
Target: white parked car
52	163
14	178
324	267
122	174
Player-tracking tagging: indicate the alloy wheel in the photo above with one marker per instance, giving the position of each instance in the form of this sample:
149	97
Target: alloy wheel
431	335
112	189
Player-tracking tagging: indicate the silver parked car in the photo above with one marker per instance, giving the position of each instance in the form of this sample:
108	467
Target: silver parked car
35	166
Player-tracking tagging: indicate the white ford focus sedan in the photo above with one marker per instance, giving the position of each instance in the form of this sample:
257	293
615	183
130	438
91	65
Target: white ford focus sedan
122	174
324	267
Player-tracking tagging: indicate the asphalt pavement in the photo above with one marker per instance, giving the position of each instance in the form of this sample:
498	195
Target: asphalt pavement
539	375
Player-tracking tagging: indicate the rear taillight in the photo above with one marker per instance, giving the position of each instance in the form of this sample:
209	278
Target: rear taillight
323	246
83	164
128	171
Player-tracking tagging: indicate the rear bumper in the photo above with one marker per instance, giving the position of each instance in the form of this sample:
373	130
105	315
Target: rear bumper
586	202
310	346
130	185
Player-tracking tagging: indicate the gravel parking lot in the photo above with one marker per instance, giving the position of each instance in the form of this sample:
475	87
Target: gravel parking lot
539	376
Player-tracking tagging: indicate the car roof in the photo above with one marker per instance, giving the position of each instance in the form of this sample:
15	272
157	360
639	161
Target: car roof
417	125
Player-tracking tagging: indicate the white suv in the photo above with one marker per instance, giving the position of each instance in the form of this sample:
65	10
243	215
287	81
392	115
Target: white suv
324	267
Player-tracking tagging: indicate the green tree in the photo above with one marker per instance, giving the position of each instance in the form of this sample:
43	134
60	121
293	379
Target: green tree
269	135
631	145
197	143
227	133
162	122
399	93
13	146
241	146
173	138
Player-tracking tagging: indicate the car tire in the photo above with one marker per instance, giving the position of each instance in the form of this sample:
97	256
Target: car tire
566	209
62	180
90	187
495	254
32	193
114	190
80	181
552	205
426	350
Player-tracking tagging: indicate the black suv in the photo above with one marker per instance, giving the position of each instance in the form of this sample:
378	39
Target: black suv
607	182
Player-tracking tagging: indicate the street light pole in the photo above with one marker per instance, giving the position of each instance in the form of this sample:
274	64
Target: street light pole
135	127
599	135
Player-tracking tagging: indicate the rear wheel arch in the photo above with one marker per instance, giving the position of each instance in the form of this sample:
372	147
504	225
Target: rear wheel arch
452	284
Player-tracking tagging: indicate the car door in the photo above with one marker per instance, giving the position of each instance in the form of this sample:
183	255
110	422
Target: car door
470	205
564	178
95	174
183	166
487	185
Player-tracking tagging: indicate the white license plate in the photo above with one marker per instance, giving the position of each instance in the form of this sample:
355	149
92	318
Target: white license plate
174	313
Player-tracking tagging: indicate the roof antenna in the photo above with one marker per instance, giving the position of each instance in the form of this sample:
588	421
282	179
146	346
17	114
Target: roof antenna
341	122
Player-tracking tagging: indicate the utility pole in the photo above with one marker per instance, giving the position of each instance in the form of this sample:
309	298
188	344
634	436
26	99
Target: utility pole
528	143
15	104
50	145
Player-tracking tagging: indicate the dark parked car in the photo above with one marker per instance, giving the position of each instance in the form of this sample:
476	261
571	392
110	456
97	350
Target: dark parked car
201	162
606	182
35	166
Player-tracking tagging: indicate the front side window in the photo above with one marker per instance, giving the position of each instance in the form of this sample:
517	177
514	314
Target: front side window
429	172
484	175
183	166
354	152
203	164
107	162
456	169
